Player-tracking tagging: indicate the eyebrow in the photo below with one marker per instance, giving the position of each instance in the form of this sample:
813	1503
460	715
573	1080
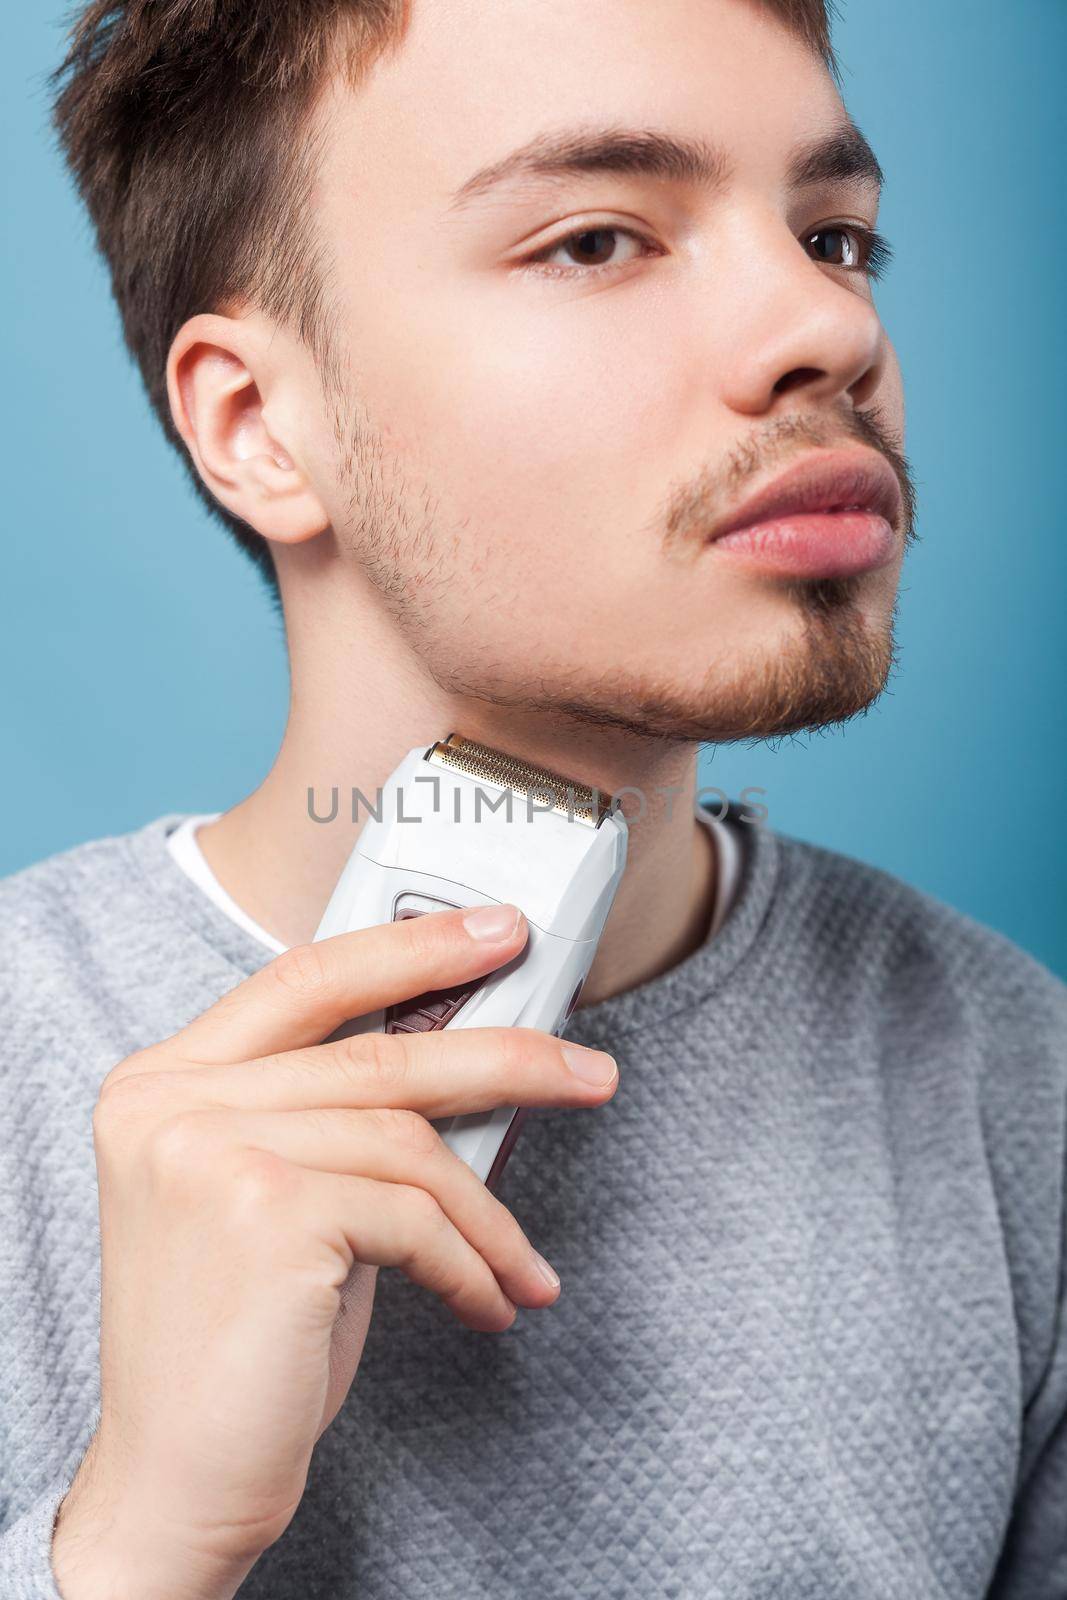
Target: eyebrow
840	156
843	156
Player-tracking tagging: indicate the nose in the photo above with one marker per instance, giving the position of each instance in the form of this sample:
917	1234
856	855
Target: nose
797	331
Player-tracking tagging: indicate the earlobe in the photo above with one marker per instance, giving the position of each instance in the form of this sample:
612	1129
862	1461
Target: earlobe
218	403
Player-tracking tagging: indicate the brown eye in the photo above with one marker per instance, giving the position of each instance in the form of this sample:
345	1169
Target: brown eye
592	248
838	247
856	248
589	250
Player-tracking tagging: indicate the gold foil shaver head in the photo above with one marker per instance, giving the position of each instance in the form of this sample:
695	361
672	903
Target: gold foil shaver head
576	800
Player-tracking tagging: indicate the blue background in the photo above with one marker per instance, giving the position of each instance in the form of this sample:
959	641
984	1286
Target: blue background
144	669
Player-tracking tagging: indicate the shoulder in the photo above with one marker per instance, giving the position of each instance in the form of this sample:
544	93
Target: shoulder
867	934
84	885
71	921
934	993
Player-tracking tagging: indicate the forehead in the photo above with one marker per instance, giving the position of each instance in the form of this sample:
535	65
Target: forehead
469	83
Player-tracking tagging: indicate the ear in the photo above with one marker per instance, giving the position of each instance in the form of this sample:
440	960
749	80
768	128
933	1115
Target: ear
223	389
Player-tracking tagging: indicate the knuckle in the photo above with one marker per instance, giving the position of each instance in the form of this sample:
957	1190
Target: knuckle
301	971
133	1066
257	1181
422	1211
409	1130
423	1253
443	1279
124	1100
379	1057
177	1146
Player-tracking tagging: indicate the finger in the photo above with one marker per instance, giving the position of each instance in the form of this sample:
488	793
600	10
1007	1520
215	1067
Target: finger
447	1072
306	992
393	1146
397	1225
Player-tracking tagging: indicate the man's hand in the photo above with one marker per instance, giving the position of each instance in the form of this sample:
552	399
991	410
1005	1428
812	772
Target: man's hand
251	1182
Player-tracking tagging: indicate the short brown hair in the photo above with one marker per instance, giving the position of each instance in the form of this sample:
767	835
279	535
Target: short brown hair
185	124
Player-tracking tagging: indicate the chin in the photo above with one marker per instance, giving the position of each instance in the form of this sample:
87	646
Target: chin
830	663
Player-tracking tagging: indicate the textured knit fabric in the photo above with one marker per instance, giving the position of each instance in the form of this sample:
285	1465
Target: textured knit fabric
812	1338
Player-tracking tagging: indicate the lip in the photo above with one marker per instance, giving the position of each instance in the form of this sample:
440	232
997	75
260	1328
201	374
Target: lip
836	480
829	496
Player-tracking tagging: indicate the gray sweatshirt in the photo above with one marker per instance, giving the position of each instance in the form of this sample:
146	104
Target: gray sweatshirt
812	1338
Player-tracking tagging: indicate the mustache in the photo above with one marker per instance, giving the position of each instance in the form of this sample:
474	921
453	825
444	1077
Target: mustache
696	505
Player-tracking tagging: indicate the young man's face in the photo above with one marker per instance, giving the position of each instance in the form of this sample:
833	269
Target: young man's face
537	451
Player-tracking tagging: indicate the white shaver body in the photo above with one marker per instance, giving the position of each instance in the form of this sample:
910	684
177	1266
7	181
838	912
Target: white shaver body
434	841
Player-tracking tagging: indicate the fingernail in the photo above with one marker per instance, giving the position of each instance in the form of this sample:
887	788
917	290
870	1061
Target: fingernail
593	1066
548	1273
491	923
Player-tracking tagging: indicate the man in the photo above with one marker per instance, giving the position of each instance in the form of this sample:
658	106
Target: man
531	350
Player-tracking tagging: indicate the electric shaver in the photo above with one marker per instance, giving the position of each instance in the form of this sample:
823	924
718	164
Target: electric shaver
462	824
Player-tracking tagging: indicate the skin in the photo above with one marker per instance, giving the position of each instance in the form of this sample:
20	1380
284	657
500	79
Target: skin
226	1350
491	517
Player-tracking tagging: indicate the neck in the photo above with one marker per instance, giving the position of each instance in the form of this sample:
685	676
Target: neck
281	865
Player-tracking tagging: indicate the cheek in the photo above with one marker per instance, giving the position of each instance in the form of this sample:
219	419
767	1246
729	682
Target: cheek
546	425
